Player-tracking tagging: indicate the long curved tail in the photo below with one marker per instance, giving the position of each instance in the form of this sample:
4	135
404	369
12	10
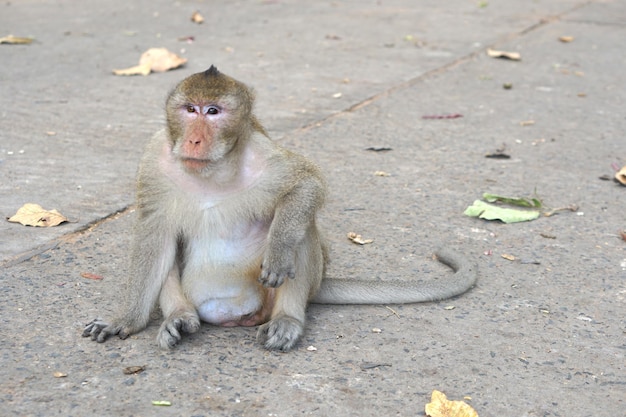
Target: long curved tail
354	291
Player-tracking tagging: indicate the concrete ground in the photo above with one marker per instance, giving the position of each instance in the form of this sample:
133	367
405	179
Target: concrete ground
541	335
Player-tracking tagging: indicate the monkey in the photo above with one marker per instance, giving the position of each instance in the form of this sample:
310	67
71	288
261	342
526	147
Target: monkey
226	230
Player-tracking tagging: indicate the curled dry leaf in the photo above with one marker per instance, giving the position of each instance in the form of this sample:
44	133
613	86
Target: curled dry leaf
358	239
131	370
34	215
382	174
508	257
14	40
621	175
440	406
154	60
196	17
513	56
59	374
622	234
566	39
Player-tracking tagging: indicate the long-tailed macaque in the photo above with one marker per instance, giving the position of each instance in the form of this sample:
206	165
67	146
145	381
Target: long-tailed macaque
226	229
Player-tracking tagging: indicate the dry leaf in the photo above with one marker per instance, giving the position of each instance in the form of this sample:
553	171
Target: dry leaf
136	70
621	175
59	374
34	215
440	406
196	17
89	275
514	56
131	370
14	40
527	123
311	349
154	60
382	174
358	239
508	257
622	234
566	39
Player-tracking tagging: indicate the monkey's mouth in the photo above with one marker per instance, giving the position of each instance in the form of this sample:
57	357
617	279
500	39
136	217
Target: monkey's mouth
195	164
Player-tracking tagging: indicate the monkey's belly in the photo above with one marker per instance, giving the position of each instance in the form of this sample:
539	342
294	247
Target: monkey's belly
229	312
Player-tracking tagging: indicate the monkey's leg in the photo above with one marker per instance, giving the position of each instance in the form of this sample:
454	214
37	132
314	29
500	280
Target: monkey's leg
286	325
180	314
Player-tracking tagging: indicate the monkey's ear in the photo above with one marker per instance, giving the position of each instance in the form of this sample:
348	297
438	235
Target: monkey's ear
212	71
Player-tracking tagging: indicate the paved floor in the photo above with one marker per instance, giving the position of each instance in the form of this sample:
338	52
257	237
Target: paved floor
542	335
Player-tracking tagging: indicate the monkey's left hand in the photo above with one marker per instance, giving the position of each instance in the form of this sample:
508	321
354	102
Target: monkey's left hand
100	330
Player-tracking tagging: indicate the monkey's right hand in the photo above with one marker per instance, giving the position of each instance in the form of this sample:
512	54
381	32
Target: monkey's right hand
99	330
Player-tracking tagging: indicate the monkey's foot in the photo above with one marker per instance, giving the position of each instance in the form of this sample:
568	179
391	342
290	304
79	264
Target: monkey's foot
177	322
280	333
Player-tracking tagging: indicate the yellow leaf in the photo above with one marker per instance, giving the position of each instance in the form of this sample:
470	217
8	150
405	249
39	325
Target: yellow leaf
566	39
196	17
154	60
34	215
621	175
514	56
358	239
14	40
440	406
136	70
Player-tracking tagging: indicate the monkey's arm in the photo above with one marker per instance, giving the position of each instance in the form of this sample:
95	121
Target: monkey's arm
293	217
354	291
152	257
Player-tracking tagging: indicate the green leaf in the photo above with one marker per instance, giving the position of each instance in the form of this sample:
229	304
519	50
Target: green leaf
515	201
488	211
162	403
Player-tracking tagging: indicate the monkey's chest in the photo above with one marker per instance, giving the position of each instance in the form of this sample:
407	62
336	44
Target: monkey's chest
220	271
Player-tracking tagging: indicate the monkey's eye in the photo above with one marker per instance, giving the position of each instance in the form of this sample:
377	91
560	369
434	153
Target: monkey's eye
190	109
212	110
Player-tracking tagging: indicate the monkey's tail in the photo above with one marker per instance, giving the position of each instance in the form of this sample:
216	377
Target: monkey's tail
354	291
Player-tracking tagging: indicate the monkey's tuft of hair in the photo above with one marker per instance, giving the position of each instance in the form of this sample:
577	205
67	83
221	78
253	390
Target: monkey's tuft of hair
212	71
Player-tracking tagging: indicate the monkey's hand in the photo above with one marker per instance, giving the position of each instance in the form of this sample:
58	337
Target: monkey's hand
99	330
277	266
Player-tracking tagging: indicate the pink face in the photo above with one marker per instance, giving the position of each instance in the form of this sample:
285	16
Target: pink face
201	144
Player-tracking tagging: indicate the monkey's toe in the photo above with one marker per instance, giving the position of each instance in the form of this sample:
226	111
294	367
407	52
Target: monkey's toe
170	331
281	333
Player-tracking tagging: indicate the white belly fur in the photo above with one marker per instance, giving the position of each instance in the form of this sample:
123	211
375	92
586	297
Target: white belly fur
214	277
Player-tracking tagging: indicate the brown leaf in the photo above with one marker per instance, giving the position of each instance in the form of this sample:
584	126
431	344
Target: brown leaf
622	234
196	17
154	60
34	215
566	39
14	40
440	406
513	56
508	257
130	370
89	275
59	374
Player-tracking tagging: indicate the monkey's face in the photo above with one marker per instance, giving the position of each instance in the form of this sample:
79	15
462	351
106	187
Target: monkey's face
207	114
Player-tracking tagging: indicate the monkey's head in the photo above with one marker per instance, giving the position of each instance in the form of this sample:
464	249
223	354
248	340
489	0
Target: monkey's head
207	114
